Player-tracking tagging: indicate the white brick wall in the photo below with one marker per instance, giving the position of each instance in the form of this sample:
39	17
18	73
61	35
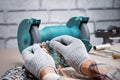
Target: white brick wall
58	4
7	31
102	13
105	24
96	15
94	3
2	43
64	16
19	4
1	17
11	43
16	17
116	3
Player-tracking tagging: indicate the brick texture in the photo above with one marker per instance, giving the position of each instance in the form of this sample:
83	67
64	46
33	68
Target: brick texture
17	17
11	43
58	4
64	16
116	3
1	17
19	5
102	13
7	31
94	3
96	15
104	25
2	43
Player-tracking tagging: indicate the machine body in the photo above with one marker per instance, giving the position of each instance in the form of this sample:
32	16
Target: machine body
29	33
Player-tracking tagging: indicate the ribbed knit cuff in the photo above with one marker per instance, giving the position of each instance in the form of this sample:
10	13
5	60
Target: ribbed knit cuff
51	76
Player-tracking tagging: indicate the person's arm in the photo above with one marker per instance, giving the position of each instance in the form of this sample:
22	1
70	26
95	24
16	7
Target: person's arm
45	71
49	73
90	68
37	61
75	54
99	71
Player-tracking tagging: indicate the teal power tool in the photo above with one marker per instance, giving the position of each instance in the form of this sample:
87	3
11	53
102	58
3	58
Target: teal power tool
29	33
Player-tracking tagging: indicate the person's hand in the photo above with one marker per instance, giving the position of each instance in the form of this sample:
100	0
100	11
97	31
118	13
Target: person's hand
36	60
72	49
